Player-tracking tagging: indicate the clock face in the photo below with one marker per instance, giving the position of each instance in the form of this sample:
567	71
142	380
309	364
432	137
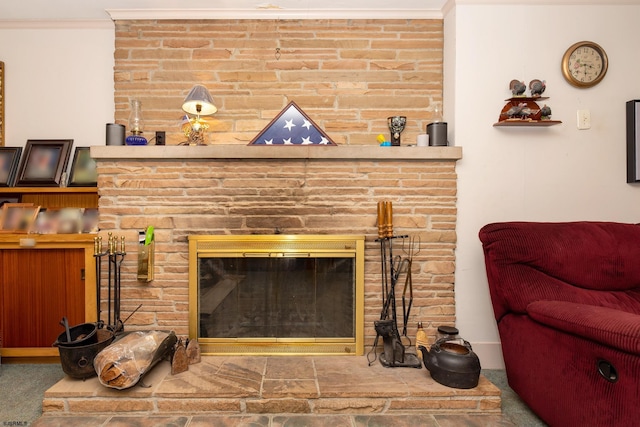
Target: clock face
584	64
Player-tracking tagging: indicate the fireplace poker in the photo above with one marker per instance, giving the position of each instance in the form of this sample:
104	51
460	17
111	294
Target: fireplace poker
408	283
98	254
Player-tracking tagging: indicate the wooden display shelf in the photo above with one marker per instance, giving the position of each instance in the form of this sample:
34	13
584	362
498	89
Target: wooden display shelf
62	190
527	123
535	119
54	197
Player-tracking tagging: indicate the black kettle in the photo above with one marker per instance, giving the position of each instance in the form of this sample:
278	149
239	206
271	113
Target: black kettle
452	362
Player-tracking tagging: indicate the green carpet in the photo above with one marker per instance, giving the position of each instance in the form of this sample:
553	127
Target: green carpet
22	388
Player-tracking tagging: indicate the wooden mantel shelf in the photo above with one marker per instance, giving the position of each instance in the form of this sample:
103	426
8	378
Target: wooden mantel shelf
236	151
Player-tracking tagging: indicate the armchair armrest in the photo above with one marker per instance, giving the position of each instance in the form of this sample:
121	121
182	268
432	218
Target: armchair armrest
610	327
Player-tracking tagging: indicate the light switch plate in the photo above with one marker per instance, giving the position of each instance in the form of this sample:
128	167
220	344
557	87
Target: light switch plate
584	119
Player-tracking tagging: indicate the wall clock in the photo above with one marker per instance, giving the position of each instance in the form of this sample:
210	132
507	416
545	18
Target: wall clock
584	64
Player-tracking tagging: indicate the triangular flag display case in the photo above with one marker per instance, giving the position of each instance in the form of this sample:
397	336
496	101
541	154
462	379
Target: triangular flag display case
292	127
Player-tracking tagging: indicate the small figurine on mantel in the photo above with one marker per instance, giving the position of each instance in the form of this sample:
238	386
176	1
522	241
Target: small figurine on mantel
545	112
537	87
517	87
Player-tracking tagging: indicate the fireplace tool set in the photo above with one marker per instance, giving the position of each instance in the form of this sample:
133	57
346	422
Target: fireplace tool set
115	253
394	354
79	345
91	349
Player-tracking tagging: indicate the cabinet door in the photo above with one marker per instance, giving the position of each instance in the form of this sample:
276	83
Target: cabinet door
38	288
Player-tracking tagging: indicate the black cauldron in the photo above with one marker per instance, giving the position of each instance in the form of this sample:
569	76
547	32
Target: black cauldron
81	335
452	362
77	360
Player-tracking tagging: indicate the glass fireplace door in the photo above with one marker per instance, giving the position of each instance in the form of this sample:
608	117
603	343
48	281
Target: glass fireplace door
276	300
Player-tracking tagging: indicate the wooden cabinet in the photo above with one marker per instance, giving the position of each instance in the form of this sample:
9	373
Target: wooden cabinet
45	277
42	279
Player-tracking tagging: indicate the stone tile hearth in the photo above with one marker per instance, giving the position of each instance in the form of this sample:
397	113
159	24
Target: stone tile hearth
251	386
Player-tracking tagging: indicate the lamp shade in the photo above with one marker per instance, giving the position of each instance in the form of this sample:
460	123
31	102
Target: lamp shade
199	102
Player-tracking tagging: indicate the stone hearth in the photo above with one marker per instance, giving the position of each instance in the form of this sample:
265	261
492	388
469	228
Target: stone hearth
245	190
241	385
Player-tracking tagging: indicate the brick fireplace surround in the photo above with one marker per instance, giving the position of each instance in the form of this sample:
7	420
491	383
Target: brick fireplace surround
233	189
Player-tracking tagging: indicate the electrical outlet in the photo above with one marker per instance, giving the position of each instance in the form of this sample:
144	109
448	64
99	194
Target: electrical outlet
584	119
160	138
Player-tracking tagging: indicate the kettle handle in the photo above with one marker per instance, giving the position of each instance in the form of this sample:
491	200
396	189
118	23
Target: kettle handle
443	340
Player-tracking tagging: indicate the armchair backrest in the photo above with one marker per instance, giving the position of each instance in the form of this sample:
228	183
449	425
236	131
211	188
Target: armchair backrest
570	261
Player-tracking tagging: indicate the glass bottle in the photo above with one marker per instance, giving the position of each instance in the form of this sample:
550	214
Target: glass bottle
136	124
421	340
448	332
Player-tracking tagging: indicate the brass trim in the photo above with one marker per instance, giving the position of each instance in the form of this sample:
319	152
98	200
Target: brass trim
281	245
2	126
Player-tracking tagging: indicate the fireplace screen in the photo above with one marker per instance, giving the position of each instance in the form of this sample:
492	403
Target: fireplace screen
277	294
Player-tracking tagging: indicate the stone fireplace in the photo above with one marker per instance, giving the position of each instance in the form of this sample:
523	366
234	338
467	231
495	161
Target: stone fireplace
244	190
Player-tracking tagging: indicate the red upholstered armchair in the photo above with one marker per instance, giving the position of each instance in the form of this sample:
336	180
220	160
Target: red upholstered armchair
566	298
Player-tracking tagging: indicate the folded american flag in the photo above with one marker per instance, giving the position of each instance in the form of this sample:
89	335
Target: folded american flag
292	127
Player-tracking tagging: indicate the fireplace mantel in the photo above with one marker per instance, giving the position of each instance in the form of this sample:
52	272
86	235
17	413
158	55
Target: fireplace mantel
236	151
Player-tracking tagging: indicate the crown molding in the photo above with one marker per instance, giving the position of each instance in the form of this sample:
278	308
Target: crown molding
544	2
37	24
186	14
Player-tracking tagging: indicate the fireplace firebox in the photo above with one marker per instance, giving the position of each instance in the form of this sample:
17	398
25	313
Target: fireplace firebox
277	294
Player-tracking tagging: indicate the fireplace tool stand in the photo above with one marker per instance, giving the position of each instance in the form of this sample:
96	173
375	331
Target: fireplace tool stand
394	354
114	254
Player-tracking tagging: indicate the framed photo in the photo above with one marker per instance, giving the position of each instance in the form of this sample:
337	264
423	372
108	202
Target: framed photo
633	141
1	103
9	161
83	169
44	162
18	217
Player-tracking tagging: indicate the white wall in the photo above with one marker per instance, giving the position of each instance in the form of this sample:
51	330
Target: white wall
58	83
553	173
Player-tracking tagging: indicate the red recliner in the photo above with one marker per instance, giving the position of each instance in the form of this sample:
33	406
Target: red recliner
566	298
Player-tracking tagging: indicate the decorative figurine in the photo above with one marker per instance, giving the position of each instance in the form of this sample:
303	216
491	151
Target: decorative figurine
382	141
396	126
517	87
545	112
537	87
520	111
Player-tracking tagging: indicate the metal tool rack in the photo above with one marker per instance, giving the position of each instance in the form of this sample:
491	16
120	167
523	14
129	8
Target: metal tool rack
114	254
394	354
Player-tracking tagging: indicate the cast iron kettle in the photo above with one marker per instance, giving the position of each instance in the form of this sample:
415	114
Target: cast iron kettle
452	362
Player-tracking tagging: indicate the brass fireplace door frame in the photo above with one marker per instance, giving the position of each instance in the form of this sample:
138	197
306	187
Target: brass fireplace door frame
279	245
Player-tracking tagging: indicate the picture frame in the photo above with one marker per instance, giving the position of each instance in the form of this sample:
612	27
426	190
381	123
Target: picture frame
44	162
83	171
633	141
9	161
18	217
2	104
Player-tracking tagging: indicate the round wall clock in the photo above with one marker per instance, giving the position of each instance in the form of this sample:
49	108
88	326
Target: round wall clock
584	64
